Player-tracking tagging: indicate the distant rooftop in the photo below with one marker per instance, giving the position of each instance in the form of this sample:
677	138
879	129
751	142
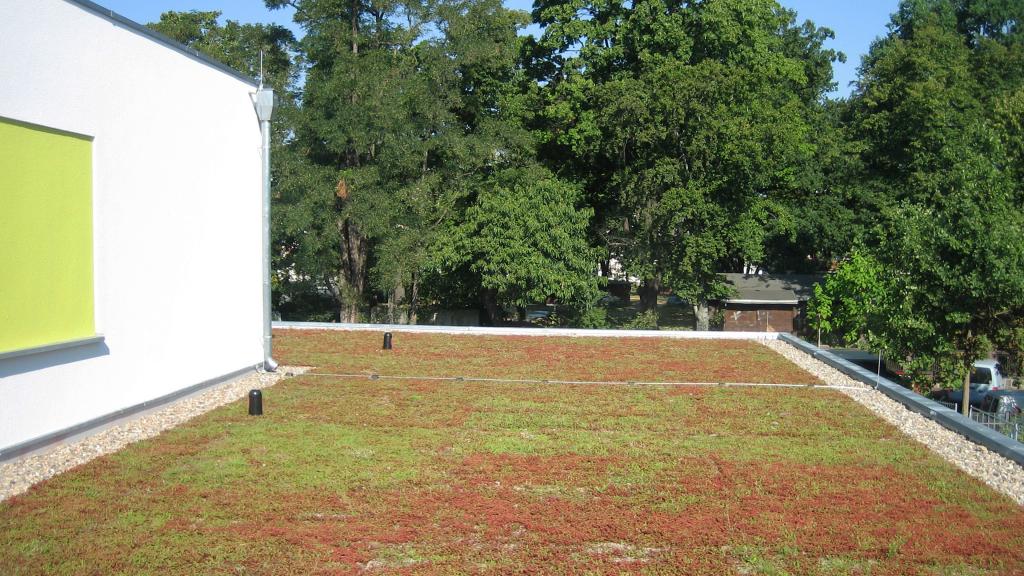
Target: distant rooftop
772	288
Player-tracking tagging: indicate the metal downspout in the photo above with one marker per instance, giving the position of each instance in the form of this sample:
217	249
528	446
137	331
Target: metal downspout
263	101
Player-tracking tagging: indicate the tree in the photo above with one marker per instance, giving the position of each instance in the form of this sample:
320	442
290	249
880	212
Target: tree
961	269
850	305
527	241
356	131
410	121
951	238
689	124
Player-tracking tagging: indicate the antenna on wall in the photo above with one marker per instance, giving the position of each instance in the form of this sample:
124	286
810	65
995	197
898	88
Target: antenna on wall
261	69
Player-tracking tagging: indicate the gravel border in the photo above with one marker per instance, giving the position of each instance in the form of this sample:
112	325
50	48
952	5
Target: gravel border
18	475
1002	474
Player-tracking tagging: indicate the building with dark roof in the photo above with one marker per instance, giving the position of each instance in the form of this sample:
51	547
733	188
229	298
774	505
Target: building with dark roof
766	303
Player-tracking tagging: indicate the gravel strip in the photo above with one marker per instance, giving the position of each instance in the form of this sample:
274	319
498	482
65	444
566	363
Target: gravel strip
1002	474
19	475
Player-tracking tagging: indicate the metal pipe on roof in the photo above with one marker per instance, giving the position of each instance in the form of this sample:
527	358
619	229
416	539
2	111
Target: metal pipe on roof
263	102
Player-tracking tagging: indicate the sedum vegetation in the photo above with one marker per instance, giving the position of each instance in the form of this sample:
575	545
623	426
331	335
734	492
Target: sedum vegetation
350	475
427	156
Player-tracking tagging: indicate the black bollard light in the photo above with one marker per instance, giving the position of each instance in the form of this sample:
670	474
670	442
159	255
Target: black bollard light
387	340
255	403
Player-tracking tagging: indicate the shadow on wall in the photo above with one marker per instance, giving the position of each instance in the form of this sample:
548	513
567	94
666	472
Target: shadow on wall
51	358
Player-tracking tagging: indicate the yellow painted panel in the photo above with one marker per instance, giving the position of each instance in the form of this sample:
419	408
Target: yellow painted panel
46	242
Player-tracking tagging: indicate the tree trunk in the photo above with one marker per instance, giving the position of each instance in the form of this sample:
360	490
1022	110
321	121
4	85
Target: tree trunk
353	269
355	26
969	361
395	299
966	408
354	249
414	298
336	294
702	315
489	298
649	294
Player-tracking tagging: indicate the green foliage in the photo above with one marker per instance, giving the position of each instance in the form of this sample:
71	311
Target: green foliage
527	241
591	317
690	125
647	320
850	304
717	320
409	126
935	111
964	259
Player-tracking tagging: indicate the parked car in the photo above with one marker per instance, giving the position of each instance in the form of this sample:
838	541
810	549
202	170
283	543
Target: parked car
537	314
1004	402
986	376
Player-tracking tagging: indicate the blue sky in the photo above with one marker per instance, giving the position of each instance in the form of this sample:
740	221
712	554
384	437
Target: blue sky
856	24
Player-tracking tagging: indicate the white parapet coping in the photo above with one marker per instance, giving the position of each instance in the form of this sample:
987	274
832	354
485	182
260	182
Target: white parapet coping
504	331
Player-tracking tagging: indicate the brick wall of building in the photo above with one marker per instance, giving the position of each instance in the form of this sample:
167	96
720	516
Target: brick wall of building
760	318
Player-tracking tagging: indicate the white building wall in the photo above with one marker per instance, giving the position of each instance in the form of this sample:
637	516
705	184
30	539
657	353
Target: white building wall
177	213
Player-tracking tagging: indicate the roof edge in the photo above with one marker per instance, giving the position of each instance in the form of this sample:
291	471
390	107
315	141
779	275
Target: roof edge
755	301
161	39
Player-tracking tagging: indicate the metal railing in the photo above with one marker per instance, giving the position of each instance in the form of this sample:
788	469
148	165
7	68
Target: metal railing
1004	425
